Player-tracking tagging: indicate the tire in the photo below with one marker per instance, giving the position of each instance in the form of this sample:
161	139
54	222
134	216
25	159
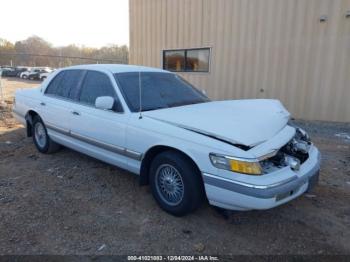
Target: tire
24	77
42	141
173	172
43	78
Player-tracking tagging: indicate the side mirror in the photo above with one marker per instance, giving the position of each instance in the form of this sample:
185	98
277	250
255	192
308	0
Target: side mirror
104	102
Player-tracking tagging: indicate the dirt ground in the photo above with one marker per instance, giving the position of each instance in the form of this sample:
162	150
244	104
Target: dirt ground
68	203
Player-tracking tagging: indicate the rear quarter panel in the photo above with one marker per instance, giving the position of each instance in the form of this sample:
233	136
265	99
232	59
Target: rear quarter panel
25	100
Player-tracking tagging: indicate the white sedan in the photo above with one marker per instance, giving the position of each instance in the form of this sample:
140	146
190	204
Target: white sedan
237	154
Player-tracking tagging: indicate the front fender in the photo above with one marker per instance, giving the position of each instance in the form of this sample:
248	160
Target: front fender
145	134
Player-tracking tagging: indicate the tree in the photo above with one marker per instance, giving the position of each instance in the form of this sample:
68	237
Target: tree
6	47
35	51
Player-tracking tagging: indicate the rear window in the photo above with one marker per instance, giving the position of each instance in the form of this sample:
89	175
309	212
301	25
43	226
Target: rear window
66	84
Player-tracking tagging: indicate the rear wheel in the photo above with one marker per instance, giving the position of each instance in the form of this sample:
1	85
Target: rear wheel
176	184
42	141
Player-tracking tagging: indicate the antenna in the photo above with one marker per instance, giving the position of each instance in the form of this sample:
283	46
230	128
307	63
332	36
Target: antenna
140	93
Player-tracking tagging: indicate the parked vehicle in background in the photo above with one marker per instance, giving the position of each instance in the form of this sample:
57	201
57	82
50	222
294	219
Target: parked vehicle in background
25	74
8	72
14	71
38	75
34	73
21	69
238	154
44	75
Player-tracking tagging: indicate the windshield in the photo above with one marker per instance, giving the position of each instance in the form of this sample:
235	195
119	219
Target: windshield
159	90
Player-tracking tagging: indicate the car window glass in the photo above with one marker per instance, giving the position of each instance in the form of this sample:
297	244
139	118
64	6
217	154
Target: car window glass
96	84
52	89
66	84
71	81
159	90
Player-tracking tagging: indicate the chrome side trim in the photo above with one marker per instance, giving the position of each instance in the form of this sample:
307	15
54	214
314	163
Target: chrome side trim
113	148
92	141
133	154
57	129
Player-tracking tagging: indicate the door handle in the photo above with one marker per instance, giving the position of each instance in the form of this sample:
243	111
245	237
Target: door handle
42	104
75	113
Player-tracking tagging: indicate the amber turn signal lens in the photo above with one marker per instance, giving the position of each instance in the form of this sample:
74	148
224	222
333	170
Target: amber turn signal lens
251	168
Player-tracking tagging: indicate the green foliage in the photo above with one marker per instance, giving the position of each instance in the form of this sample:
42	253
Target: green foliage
35	51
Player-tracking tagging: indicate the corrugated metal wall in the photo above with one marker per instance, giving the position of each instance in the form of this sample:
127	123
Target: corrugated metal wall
260	49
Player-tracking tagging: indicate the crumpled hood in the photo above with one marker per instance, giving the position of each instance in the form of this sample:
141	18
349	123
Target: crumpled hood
246	122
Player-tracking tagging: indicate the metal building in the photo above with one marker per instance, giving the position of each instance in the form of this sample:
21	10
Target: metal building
297	51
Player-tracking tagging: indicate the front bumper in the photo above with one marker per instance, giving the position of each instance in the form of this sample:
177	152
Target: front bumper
238	195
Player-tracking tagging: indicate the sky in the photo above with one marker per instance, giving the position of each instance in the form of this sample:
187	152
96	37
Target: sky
92	23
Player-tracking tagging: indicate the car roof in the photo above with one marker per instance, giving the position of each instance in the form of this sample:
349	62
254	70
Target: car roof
117	68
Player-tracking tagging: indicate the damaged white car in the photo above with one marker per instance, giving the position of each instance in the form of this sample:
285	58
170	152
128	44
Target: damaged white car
239	154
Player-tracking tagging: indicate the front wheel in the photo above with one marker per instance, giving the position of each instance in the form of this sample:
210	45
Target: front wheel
42	141
176	183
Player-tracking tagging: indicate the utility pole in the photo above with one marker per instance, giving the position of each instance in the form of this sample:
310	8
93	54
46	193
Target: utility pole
60	62
2	102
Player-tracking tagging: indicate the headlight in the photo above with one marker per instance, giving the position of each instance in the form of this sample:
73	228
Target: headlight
302	135
243	166
299	132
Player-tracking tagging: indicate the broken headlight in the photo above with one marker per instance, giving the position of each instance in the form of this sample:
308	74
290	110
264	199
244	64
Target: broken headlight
293	154
301	135
300	143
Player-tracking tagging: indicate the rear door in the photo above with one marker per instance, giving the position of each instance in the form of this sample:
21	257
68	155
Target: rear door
101	132
56	105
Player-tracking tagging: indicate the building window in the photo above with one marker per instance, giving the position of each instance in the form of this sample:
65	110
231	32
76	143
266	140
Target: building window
187	60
